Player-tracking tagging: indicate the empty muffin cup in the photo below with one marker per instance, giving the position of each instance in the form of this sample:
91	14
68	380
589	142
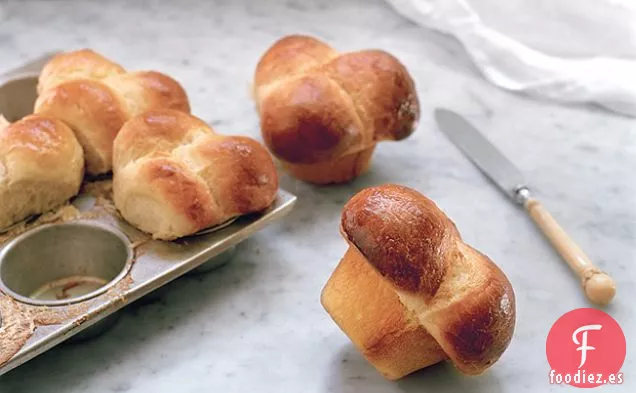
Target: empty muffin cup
59	264
17	97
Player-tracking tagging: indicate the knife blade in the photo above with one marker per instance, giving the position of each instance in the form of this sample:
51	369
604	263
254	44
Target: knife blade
597	285
483	154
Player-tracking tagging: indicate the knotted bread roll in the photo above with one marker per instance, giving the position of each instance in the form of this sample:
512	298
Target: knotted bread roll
41	167
174	176
322	112
410	293
95	97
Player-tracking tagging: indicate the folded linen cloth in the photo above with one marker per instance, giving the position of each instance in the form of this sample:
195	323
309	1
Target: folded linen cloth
571	51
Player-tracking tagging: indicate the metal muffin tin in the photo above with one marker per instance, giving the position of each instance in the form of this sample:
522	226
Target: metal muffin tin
64	275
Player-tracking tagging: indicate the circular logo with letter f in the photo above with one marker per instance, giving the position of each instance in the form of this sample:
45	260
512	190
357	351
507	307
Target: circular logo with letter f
586	348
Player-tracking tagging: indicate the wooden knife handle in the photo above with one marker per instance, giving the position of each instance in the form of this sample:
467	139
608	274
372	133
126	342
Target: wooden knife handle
598	286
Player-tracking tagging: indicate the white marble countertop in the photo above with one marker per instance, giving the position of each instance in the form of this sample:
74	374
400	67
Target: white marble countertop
256	325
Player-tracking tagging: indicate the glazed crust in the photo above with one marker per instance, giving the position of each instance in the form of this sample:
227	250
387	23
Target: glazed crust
317	105
173	175
455	293
95	97
403	235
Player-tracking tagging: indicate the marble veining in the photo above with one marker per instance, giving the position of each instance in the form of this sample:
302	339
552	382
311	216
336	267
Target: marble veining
257	324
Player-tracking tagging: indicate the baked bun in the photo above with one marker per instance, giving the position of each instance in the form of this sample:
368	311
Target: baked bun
41	167
174	176
322	112
410	293
95	97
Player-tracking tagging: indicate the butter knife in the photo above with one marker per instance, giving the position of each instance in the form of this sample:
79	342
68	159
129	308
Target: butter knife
597	285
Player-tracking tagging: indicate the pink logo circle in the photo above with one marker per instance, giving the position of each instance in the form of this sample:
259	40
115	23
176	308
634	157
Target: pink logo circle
586	348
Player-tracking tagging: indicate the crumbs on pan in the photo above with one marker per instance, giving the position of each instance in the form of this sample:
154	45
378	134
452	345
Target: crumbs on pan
63	213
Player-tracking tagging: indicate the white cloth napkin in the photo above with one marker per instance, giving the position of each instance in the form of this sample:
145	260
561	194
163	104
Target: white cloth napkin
572	51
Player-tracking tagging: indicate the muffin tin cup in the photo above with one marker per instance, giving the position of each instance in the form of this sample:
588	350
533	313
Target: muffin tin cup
18	88
65	281
62	264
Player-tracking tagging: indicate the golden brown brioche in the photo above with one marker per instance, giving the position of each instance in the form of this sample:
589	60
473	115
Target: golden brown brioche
41	167
410	293
322	112
173	175
95	97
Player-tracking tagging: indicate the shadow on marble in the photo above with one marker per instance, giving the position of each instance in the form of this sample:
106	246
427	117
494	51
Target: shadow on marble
317	205
384	169
317	212
352	373
318	209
